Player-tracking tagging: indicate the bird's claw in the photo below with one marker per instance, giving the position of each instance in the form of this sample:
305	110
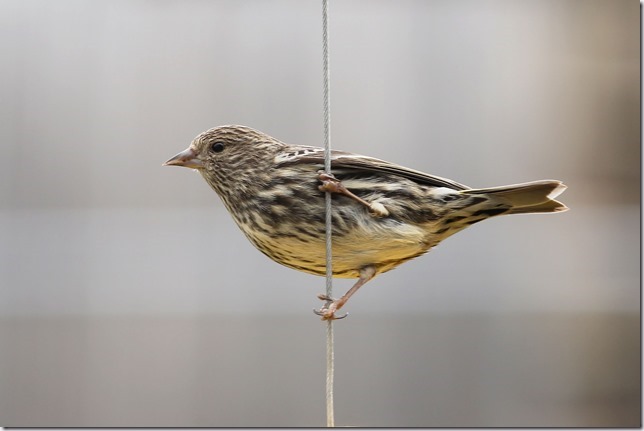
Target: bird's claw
331	184
324	313
327	312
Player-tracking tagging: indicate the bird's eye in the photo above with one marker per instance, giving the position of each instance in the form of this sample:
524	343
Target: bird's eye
217	147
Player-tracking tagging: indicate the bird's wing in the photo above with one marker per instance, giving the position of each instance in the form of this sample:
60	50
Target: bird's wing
342	159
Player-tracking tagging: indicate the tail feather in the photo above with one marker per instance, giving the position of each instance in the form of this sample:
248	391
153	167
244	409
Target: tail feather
532	197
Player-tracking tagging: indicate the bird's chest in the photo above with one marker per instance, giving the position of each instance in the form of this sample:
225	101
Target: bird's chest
285	219
294	236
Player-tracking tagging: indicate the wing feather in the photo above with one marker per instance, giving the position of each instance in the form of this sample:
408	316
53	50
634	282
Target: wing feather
342	159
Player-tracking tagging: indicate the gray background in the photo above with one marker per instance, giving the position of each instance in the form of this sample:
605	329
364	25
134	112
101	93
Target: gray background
128	297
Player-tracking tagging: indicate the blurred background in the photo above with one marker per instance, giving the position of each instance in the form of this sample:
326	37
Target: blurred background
128	297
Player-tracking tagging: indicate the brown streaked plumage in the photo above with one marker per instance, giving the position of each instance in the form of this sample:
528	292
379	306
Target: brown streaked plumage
383	214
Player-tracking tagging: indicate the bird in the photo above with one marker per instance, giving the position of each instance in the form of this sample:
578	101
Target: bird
383	214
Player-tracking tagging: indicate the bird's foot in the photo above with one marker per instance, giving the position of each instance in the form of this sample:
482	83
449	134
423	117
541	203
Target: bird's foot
333	185
330	183
327	312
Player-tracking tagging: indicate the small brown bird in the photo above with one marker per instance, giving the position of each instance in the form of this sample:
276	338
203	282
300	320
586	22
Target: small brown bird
383	214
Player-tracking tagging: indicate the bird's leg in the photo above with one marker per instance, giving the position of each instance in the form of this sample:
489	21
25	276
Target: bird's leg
327	312
333	185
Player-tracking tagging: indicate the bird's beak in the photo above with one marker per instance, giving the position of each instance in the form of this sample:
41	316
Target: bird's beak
187	158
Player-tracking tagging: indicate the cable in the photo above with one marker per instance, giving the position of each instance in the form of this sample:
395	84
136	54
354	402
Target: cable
330	421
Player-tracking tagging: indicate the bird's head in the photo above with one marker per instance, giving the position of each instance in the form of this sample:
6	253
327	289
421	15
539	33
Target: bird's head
225	155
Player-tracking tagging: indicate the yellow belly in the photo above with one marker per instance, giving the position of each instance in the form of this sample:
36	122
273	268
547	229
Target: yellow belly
384	246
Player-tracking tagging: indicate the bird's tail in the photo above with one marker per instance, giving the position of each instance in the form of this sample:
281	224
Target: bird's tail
532	197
